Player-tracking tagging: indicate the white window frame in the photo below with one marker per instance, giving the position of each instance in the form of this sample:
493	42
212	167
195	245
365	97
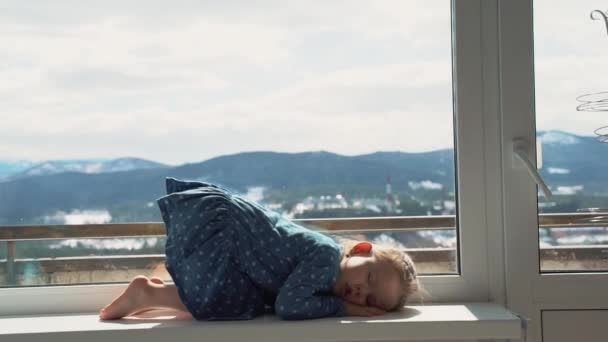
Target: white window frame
529	292
475	84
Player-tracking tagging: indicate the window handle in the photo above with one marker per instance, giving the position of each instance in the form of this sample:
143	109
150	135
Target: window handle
520	148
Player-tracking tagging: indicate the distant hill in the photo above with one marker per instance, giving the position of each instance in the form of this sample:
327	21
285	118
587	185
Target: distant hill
570	161
278	170
36	195
52	167
9	167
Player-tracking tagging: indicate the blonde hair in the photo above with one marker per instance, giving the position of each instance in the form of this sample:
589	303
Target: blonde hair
396	257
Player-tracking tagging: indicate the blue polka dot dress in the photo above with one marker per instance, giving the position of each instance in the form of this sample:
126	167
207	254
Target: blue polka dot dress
231	258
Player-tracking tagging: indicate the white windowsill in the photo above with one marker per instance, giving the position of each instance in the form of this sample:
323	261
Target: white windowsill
471	321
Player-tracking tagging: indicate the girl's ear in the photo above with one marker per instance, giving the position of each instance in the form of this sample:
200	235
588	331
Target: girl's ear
363	247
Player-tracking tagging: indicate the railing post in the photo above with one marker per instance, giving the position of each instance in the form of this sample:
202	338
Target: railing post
11	251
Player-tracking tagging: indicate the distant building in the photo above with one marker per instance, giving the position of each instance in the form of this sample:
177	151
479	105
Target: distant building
390	202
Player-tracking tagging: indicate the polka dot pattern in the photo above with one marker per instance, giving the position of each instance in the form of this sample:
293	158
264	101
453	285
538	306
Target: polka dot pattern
230	257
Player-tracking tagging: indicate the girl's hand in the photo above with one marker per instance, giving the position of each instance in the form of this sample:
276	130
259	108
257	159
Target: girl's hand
360	310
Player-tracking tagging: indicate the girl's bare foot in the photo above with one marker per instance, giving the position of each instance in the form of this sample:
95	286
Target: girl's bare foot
155	280
133	299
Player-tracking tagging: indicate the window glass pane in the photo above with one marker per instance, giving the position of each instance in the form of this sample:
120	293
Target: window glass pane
571	45
316	110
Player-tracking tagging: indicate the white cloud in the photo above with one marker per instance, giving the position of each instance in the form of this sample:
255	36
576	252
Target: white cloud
559	138
568	190
188	81
570	53
558	170
79	217
425	184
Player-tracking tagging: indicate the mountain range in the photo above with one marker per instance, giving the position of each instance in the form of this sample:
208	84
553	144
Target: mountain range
11	170
570	163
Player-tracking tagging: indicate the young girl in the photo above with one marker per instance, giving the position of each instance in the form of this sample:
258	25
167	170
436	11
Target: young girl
231	258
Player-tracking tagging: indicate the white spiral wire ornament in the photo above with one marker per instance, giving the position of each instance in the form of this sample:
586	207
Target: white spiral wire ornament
597	102
600	16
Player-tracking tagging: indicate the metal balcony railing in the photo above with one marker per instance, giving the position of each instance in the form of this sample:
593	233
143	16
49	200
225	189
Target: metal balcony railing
14	233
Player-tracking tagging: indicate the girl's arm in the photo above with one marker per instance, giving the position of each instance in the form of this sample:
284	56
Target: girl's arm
305	294
360	310
299	298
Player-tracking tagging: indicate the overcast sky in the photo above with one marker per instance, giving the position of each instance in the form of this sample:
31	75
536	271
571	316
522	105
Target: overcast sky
183	81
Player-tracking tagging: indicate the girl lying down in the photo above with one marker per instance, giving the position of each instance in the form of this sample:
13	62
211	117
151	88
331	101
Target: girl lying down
231	258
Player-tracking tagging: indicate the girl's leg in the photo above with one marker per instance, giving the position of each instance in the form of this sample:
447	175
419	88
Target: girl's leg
142	294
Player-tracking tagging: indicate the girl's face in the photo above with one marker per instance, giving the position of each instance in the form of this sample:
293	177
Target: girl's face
365	280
